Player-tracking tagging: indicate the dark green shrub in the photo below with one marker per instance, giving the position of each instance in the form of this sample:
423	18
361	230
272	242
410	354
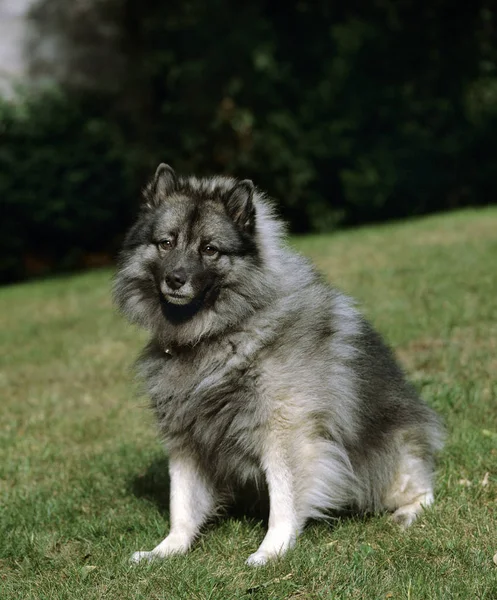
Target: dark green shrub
64	184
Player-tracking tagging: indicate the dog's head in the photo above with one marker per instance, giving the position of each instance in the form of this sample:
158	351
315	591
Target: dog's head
197	235
193	249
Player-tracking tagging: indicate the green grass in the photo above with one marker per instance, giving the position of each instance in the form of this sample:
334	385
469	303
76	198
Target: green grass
80	464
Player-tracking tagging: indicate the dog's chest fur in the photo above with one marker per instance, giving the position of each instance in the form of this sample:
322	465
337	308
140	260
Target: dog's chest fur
208	400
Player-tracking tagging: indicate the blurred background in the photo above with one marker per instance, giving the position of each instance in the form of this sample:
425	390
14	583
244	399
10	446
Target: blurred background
345	112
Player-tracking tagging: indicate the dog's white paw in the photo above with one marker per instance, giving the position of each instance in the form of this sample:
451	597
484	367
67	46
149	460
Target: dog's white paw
407	514
258	559
173	544
143	557
276	543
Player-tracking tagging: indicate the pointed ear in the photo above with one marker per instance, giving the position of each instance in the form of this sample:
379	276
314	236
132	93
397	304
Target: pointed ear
162	185
164	180
240	206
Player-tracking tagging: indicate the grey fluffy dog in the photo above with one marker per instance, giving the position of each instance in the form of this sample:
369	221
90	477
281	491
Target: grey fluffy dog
259	371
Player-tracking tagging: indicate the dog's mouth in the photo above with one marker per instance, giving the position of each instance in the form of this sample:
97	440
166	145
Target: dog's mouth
181	305
179	308
178	299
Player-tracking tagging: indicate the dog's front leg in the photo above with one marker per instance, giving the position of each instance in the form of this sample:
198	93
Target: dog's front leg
192	502
283	519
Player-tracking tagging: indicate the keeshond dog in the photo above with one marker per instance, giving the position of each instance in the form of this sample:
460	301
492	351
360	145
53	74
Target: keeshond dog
259	371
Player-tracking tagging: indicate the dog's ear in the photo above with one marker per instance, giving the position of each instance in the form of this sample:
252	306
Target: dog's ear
162	185
240	206
164	180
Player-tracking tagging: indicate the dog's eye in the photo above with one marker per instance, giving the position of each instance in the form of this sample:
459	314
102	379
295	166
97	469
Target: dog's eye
210	250
165	244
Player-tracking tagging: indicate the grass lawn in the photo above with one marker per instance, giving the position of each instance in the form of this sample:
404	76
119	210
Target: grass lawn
81	483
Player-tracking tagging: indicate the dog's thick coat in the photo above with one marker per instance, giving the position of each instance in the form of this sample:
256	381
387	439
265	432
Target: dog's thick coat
258	370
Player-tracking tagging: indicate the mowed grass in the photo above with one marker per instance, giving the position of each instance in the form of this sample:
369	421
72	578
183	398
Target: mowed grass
82	473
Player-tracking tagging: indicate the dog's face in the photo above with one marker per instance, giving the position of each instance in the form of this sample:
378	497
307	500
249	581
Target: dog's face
196	243
193	239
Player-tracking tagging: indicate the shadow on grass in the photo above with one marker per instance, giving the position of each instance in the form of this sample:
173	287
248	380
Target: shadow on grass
154	484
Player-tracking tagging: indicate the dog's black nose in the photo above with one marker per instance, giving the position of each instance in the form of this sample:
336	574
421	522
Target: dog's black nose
176	279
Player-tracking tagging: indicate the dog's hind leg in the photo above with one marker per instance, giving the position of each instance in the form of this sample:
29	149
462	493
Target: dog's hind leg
411	490
192	502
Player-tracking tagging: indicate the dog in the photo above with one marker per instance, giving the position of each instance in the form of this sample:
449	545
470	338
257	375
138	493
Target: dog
259	371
